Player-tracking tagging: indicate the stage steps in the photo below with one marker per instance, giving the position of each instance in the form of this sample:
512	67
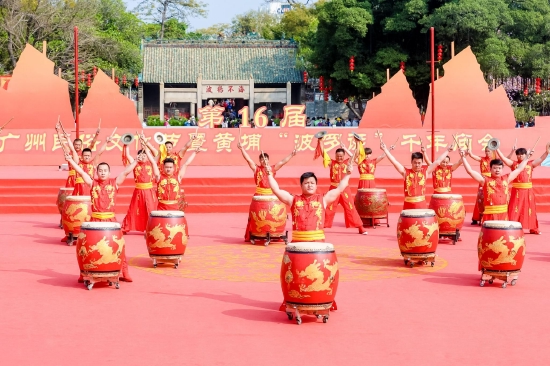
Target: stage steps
222	195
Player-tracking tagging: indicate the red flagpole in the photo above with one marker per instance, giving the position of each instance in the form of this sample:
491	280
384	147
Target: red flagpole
76	101
432	63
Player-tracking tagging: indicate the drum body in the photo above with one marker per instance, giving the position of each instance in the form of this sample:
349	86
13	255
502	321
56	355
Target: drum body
501	246
62	196
267	215
371	203
166	233
77	209
450	212
100	247
417	231
309	275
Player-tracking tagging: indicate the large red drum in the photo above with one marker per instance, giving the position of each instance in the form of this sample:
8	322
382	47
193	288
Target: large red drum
417	231
309	275
267	215
62	196
77	210
501	246
166	233
99	248
371	203
450	212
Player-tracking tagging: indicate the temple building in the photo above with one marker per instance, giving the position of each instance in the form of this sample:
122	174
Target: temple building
183	75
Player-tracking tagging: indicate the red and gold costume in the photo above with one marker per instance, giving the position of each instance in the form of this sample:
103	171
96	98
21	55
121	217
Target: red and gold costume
415	189
262	189
308	218
337	172
522	207
103	194
168	193
366	173
182	204
80	187
143	200
441	179
72	174
495	195
485	169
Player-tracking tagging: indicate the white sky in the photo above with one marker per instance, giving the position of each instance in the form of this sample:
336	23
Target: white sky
219	11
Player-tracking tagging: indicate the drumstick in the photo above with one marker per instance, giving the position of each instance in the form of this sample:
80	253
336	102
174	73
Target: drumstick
5	124
113	132
99	126
535	144
421	143
396	141
455	140
516	143
196	131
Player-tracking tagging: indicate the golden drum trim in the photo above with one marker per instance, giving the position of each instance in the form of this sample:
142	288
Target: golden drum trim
522	185
260	190
103	215
415	199
495	209
306	236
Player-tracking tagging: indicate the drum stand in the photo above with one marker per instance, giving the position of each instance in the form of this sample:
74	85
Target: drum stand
268	238
505	276
319	311
411	258
451	236
369	221
166	259
91	278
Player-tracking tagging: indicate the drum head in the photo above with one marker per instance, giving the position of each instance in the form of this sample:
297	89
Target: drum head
307	247
100	226
418	213
79	198
501	224
265	198
372	190
167	214
449	196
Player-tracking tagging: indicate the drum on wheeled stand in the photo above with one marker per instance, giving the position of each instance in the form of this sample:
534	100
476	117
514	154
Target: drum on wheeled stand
372	206
267	220
450	212
418	236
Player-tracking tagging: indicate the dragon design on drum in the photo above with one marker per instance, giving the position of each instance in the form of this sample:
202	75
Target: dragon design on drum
277	212
102	247
420	240
500	247
77	214
314	273
456	211
160	239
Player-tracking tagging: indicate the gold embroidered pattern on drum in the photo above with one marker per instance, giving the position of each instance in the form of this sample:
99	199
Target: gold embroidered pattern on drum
375	204
160	239
103	248
456	211
419	239
313	273
278	212
499	247
77	214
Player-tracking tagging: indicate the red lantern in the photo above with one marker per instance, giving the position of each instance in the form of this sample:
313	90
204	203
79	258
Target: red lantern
352	63
136	82
537	85
525	90
94	71
346	101
305	77
326	95
123	79
116	80
439	53
402	66
89	81
321	83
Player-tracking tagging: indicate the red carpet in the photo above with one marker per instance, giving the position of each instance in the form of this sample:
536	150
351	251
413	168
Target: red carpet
388	314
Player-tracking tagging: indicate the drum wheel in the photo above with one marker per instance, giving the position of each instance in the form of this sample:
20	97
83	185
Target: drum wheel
290	316
298	320
481	283
513	283
325	319
504	284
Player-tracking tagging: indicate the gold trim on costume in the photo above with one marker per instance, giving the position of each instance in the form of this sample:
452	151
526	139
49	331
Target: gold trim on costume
79	180
72	172
522	185
103	215
366	176
260	190
442	189
486	174
497	209
335	184
144	185
415	199
313	235
168	202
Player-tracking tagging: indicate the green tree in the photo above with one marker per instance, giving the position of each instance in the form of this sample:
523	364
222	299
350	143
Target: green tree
254	22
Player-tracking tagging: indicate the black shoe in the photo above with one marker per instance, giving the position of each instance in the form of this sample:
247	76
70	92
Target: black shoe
474	222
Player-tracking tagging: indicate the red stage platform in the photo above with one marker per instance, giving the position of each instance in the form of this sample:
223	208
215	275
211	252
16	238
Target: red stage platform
215	189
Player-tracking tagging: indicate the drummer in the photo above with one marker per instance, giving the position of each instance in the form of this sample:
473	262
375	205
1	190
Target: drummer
338	169
495	187
103	195
443	174
415	178
522	207
485	169
365	164
260	177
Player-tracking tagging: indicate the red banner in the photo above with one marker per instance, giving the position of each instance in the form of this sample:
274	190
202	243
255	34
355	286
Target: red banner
219	145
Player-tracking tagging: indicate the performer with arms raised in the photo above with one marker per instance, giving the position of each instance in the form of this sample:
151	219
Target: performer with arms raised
442	175
485	169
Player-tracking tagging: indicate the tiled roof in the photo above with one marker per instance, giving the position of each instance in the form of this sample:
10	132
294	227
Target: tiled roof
182	61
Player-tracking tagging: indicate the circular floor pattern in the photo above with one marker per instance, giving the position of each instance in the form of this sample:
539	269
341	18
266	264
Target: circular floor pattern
249	263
